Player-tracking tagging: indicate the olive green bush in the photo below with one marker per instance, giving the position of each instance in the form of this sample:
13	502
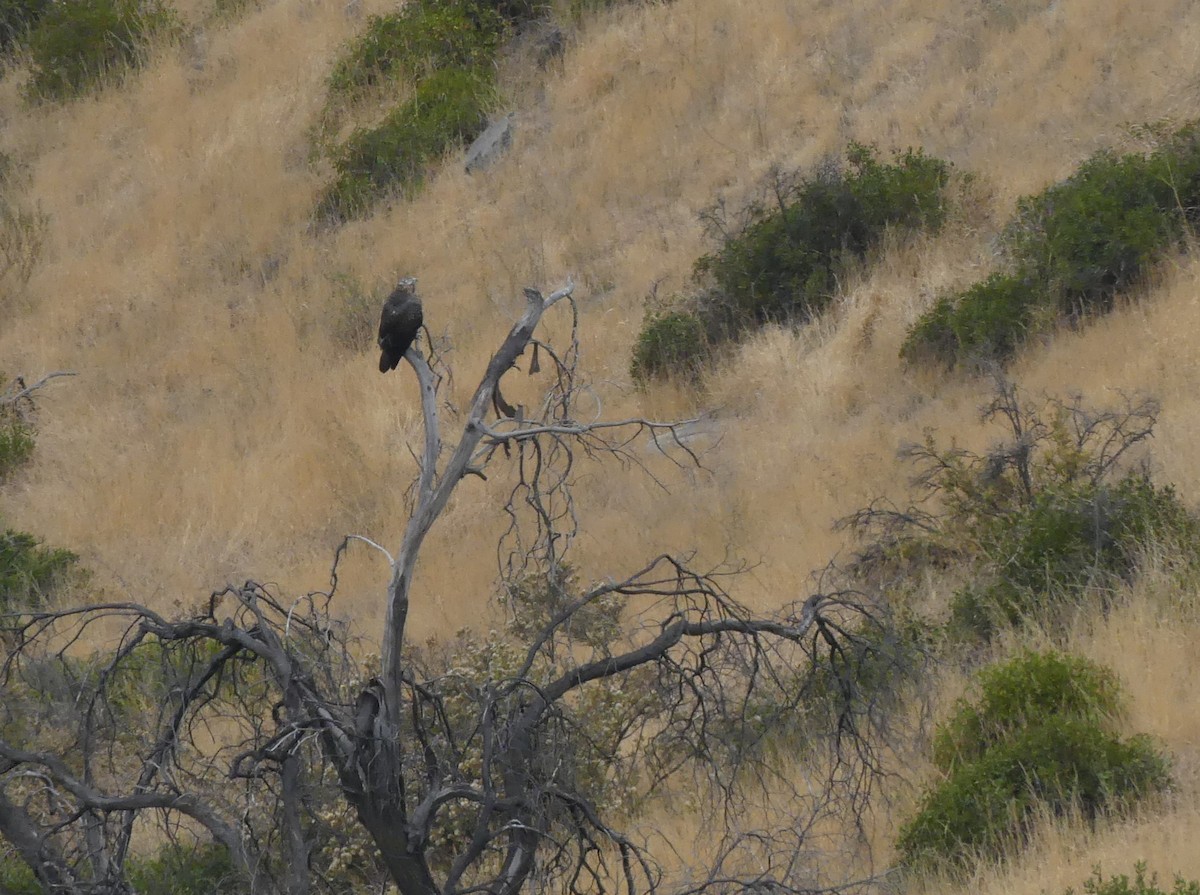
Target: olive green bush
29	571
187	870
1053	517
1021	693
1121	884
781	261
1070	537
1069	252
76	44
449	108
1039	739
16	878
17	18
671	342
446	53
985	323
173	870
421	39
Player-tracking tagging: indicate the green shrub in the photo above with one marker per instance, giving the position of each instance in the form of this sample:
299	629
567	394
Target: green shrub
1037	741
179	870
174	870
781	264
28	571
671	343
1070	536
16	878
1097	232
1048	519
987	322
988	806
447	49
1178	159
907	193
421	39
17	18
449	108
80	42
77	43
1069	251
1021	693
1120	885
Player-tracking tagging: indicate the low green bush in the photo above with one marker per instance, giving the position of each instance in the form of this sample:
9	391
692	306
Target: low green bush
1097	232
187	870
1048	520
173	870
421	39
16	878
1038	740
29	571
781	263
1020	693
1070	537
446	49
987	807
17	18
671	343
1121	885
449	108
985	323
77	43
1069	251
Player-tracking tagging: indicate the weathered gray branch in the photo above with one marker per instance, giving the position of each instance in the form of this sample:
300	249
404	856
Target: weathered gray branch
434	491
25	391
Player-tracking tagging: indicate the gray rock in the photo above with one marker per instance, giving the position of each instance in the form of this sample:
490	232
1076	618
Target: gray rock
491	144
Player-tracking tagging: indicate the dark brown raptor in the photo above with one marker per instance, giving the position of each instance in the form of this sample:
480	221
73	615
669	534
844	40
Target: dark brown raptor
399	324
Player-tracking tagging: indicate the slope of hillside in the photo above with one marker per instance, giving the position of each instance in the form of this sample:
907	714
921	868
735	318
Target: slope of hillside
220	428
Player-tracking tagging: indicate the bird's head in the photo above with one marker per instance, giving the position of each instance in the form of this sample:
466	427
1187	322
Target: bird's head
408	284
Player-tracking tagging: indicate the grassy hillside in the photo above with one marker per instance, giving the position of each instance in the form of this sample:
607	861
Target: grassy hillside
223	425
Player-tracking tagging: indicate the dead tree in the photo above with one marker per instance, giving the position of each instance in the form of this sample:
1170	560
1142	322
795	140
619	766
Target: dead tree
520	764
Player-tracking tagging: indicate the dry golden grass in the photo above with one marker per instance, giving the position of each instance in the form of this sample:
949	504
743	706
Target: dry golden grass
1065	856
217	431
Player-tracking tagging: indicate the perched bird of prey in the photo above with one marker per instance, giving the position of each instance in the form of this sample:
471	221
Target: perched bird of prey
399	323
